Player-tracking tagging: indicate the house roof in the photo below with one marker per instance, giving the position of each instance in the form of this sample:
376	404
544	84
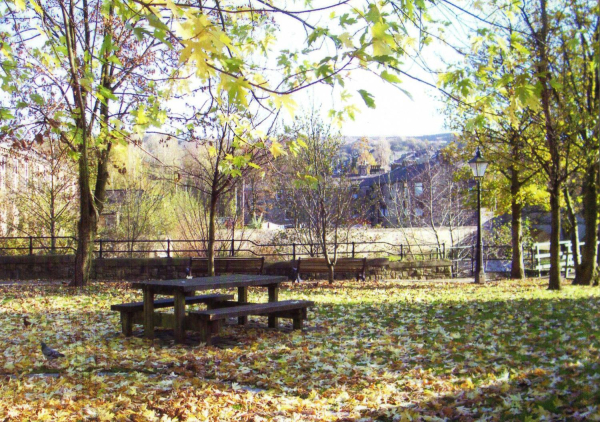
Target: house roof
400	174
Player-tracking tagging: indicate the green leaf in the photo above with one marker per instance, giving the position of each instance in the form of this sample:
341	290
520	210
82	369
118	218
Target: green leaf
37	98
5	114
373	14
390	77
367	98
115	60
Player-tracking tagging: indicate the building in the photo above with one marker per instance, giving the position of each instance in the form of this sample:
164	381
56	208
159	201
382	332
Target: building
18	168
417	194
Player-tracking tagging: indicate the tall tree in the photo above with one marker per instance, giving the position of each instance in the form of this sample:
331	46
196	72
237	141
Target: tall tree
578	92
81	73
44	193
229	150
543	61
315	189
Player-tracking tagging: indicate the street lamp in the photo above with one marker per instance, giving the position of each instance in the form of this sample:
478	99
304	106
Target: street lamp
478	165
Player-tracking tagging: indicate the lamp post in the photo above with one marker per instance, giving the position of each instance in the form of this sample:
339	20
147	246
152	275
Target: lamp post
478	165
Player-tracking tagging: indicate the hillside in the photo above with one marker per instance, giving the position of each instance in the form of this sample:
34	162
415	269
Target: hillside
400	144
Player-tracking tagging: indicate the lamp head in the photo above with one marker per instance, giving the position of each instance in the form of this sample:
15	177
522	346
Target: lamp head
478	165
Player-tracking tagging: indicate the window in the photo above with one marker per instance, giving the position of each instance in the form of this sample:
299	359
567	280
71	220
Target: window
383	212
2	172
418	189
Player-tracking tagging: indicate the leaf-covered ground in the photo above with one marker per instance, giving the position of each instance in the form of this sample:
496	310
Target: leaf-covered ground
387	351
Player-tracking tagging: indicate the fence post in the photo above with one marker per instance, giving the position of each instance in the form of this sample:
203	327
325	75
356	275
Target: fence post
472	260
444	250
232	247
30	245
353	247
401	251
100	250
168	248
294	251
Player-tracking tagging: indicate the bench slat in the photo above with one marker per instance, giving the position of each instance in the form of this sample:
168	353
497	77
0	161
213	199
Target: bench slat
168	302
252	309
228	265
343	265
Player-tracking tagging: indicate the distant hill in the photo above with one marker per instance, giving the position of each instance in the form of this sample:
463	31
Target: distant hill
400	144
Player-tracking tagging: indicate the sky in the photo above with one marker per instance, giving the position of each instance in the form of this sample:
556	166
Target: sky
396	114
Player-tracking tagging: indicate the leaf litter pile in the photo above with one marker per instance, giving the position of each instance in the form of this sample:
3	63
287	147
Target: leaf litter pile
386	351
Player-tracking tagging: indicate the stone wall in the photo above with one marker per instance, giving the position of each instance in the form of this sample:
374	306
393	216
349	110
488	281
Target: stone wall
25	267
419	270
60	267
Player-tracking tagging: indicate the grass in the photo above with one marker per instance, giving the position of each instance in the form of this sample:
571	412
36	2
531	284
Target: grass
391	350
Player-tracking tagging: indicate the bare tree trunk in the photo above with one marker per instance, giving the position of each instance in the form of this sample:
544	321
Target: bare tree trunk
554	282
573	232
52	218
518	266
331	273
86	227
589	267
211	233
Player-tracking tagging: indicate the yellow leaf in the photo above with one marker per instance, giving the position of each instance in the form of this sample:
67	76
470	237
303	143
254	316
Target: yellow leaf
346	40
287	102
277	149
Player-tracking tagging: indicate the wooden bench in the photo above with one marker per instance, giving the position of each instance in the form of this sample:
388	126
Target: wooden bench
356	266
232	265
133	313
208	321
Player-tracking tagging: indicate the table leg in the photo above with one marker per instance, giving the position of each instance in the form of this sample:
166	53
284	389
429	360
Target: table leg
273	297
242	298
179	317
148	313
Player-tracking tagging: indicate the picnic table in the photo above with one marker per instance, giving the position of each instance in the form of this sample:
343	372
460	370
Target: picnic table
181	288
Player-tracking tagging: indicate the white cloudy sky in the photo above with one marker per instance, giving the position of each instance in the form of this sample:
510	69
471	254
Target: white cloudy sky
395	114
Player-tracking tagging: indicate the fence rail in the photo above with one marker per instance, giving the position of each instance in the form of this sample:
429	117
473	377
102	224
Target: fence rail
540	256
111	248
496	258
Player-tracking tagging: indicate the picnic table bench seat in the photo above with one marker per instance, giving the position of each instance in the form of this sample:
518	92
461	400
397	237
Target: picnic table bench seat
230	265
357	266
133	312
208	320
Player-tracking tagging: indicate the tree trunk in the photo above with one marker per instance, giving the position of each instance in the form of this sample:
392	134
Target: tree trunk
573	233
52	236
554	282
518	266
52	210
331	273
589	267
211	233
86	227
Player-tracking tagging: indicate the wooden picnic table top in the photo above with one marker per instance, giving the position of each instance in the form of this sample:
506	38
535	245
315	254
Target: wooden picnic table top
208	283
